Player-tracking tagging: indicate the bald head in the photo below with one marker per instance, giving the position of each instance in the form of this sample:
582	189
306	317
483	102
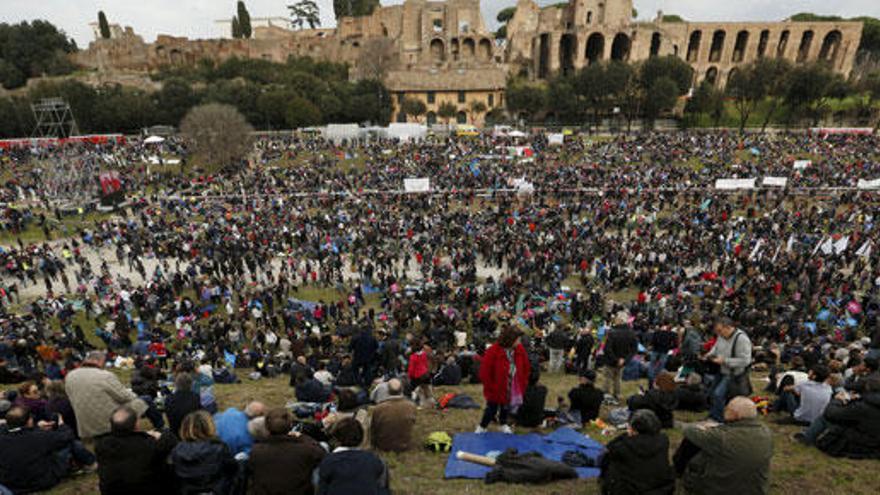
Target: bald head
395	387
123	420
255	409
740	408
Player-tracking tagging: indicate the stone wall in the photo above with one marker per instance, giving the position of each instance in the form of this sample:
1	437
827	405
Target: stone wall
543	42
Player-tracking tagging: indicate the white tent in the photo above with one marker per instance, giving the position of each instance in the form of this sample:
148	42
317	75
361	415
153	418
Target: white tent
516	134
154	140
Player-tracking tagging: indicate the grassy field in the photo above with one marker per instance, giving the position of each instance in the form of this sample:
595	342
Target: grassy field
795	468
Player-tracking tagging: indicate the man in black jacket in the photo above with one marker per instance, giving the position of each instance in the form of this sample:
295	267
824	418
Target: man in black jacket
36	459
638	462
132	462
586	398
363	348
620	346
850	426
558	342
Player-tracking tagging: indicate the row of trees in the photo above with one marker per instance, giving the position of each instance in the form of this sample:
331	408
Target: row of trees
774	90
299	93
646	89
33	49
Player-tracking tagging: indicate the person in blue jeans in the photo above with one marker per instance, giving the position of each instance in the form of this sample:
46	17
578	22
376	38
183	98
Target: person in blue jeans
733	355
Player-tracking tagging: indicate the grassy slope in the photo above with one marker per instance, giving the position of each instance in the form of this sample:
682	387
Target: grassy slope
795	469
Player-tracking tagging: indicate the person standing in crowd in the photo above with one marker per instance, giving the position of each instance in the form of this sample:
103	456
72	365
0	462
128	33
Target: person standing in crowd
558	342
364	347
284	462
419	372
663	340
620	346
392	421
504	372
583	349
732	353
130	461
732	458
95	393
638	461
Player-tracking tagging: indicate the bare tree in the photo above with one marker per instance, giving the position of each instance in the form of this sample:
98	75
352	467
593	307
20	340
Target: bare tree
377	58
219	134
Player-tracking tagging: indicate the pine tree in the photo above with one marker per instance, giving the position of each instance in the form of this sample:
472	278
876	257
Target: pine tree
103	25
244	21
236	28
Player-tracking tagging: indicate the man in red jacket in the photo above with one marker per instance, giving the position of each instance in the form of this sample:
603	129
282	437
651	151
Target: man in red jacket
504	372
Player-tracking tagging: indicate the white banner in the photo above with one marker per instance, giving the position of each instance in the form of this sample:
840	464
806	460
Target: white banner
869	184
802	164
735	183
775	182
555	139
417	185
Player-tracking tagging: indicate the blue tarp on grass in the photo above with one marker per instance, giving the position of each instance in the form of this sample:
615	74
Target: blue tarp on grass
551	446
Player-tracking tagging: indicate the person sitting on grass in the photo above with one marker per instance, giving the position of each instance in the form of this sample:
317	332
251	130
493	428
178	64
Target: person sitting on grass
586	398
531	413
731	458
850	426
36	457
283	463
393	420
638	462
805	401
349	470
661	399
132	462
201	462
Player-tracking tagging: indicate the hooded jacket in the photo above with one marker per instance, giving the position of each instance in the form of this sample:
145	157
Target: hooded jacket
638	465
205	466
854	428
495	373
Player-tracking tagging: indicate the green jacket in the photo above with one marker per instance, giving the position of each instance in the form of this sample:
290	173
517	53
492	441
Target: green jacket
734	459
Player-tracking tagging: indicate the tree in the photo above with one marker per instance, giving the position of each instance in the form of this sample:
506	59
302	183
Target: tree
809	89
447	111
660	97
747	87
412	107
524	100
706	100
354	8
173	101
377	58
218	133
672	18
775	72
244	20
871	86
305	12
103	25
504	16
302	113
670	67
35	49
236	28
475	108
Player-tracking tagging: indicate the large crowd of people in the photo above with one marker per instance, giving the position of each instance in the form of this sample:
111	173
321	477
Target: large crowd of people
621	261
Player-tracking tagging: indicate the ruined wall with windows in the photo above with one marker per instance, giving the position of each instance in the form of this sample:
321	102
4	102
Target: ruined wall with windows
546	41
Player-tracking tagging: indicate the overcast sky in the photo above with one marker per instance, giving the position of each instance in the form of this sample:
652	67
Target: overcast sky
196	18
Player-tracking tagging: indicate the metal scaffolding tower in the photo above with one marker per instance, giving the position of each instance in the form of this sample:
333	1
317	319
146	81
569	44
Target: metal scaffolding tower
54	119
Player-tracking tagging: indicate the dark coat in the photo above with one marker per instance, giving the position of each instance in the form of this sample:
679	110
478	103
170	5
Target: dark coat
638	465
586	399
620	344
662	403
203	467
352	471
283	465
134	463
178	405
364	347
854	429
27	463
531	412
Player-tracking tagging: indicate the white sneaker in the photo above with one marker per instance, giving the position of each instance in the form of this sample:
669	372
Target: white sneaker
480	429
506	429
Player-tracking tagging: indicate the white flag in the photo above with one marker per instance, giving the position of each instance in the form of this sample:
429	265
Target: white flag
827	247
841	245
865	250
790	243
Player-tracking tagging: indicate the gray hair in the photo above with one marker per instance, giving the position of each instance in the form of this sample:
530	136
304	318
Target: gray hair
96	357
257	428
254	409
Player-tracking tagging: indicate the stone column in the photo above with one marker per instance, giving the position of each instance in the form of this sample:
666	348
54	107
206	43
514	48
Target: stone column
580	55
553	64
